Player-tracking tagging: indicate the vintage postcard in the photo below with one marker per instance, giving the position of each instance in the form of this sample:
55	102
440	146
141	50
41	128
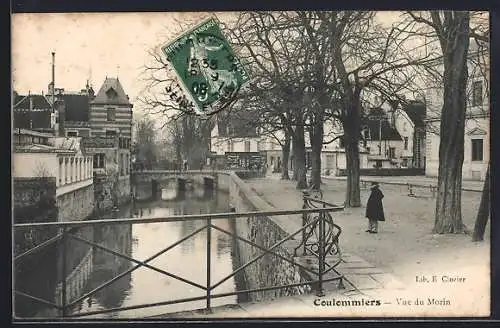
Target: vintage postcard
250	164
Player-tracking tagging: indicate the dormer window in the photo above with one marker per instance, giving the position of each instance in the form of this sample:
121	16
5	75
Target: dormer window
111	94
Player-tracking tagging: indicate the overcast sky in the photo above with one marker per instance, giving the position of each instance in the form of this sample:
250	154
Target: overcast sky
91	45
96	44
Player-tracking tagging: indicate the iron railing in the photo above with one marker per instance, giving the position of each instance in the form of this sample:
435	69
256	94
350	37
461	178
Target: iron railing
319	238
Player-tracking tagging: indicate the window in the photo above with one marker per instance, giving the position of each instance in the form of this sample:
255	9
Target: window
477	93
392	152
110	133
247	146
99	161
111	114
477	149
366	133
341	142
111	94
406	143
72	134
228	145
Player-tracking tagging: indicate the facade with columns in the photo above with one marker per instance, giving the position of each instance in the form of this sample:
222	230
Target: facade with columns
63	159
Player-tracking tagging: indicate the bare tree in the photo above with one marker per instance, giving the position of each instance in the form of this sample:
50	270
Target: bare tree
269	44
363	58
145	147
191	138
452	29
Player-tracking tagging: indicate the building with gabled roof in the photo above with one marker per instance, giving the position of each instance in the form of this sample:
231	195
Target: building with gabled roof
409	120
380	139
111	93
110	120
32	111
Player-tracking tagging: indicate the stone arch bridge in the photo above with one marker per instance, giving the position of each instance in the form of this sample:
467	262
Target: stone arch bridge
180	180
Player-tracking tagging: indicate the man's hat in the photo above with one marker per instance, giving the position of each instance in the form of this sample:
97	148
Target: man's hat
374	183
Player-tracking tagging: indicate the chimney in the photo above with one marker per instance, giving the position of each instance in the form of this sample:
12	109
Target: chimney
53	79
61	117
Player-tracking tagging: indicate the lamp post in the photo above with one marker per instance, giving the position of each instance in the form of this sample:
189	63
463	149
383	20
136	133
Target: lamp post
380	135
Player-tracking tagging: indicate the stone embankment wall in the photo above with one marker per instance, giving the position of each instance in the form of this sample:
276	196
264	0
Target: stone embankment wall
265	232
76	205
34	201
111	191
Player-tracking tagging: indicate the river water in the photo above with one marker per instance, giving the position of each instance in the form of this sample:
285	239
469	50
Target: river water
89	267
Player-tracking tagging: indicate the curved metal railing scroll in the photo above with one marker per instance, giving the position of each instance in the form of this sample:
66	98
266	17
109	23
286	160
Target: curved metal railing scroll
321	238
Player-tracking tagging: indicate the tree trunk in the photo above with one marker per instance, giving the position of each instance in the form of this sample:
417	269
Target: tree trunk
451	147
299	151
316	137
484	210
353	197
286	157
352	127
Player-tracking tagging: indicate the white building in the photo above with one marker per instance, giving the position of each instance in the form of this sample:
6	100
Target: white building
61	158
234	143
477	125
409	121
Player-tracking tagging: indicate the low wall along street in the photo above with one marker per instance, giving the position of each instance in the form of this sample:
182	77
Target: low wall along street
387	172
263	231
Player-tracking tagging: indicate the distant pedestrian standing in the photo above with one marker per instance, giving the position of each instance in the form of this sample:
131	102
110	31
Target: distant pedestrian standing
374	208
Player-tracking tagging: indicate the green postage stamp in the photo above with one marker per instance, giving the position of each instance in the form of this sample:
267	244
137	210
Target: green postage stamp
206	65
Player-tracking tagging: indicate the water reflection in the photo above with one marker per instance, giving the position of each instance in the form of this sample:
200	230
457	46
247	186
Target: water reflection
88	267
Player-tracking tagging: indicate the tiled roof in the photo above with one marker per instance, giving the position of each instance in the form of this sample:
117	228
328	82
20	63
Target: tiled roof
111	92
34	108
416	112
77	107
22	102
375	125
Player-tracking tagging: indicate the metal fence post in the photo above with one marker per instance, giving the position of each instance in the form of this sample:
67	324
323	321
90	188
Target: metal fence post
209	258
304	217
321	253
63	272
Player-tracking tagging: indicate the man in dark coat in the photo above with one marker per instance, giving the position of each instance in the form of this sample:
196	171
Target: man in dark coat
374	208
